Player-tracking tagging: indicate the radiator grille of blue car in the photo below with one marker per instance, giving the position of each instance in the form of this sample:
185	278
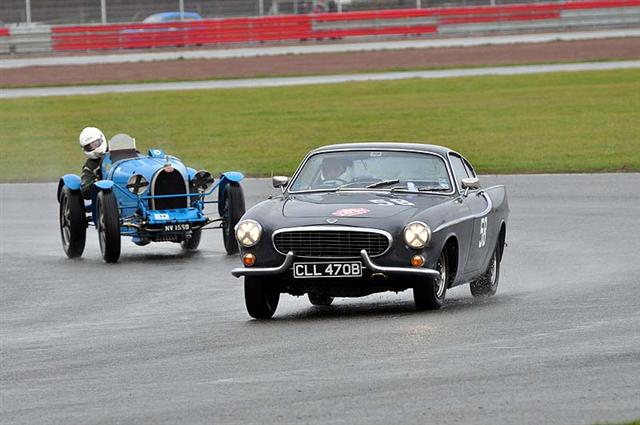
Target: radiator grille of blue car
169	183
331	243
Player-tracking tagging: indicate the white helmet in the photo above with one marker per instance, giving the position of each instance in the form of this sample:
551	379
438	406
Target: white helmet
93	142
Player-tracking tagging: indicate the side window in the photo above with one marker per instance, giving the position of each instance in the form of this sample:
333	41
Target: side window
459	171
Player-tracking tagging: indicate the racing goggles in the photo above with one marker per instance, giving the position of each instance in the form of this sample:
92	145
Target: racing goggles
93	145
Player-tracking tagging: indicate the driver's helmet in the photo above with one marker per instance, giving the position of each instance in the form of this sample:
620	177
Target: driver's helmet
333	168
93	142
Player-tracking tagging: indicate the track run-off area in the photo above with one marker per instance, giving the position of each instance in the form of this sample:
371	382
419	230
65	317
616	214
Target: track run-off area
311	80
163	336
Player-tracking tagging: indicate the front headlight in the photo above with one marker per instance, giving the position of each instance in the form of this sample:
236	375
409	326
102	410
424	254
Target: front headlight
417	234
248	233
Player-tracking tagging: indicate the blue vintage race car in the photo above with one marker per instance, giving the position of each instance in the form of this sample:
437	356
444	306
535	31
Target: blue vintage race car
151	198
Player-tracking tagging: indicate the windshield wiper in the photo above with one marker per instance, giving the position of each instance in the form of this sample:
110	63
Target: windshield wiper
421	189
382	183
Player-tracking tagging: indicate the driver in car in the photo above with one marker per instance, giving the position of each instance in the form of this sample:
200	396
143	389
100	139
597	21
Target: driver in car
333	169
94	145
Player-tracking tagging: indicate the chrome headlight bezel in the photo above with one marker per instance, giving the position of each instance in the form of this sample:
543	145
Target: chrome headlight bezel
248	233
417	235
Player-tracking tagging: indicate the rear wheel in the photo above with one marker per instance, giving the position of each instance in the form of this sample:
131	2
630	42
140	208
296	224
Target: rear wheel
192	243
487	284
260	297
73	222
430	295
232	209
108	226
320	299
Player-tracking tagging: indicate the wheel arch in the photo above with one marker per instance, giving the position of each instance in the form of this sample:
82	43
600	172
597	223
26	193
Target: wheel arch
71	181
502	237
230	177
452	248
97	187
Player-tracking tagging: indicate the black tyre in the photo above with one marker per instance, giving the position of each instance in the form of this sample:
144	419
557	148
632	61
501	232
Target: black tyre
320	299
487	284
108	226
430	295
192	243
73	222
232	209
260	297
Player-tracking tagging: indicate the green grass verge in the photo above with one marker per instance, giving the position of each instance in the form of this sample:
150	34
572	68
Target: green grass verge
563	122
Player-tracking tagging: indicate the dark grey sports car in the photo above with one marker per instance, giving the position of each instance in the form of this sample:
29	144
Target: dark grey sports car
361	218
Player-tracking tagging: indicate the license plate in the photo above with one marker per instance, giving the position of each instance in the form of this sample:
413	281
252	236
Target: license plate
180	227
327	269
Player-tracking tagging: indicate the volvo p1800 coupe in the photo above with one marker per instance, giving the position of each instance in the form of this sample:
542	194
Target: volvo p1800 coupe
361	218
150	198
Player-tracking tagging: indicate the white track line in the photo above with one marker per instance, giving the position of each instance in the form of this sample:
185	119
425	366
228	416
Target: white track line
323	79
316	48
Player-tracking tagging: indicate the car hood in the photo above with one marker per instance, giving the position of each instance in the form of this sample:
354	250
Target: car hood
382	210
365	205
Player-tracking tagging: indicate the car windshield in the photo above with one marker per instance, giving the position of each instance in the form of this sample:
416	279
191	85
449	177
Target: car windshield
373	170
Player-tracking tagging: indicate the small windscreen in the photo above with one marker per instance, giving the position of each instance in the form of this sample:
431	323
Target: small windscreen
122	141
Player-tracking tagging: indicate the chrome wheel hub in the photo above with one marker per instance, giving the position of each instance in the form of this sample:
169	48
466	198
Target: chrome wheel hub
441	281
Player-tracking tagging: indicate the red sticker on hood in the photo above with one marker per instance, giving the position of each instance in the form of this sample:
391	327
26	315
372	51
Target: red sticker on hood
350	212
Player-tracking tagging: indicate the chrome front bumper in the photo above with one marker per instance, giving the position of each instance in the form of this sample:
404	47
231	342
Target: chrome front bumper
368	263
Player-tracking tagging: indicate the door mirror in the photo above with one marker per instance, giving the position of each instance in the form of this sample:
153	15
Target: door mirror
280	181
470	183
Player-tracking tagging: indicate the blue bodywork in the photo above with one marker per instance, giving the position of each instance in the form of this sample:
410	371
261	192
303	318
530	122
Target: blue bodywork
137	218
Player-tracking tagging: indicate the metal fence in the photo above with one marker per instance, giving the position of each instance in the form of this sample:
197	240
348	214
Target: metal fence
61	12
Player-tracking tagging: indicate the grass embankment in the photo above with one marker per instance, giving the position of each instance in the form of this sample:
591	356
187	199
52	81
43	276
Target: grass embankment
564	122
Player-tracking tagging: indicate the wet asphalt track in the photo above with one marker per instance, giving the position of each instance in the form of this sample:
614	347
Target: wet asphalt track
163	337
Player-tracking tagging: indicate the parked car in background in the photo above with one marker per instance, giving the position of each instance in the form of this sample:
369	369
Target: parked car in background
158	18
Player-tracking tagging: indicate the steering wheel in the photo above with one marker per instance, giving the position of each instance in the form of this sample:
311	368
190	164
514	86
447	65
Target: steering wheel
334	182
360	179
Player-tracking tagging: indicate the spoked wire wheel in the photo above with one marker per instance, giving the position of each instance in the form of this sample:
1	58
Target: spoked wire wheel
233	208
108	226
73	223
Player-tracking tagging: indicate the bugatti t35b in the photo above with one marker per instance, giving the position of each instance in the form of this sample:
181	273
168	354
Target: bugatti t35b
150	198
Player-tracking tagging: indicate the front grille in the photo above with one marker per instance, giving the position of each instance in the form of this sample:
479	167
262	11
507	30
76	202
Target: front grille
168	183
330	243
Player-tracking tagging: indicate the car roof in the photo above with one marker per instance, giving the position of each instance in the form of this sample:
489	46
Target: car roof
421	147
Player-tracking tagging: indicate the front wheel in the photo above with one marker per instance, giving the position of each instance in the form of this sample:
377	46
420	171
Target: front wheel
73	222
232	209
487	284
430	295
260	297
108	226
